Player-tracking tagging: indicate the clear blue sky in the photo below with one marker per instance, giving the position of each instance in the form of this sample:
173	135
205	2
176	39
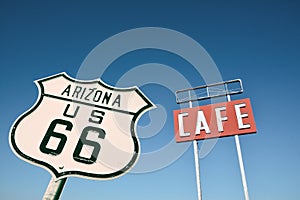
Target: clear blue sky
257	41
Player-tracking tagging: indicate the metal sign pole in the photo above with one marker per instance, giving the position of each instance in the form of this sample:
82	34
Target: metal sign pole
239	151
196	158
54	189
195	143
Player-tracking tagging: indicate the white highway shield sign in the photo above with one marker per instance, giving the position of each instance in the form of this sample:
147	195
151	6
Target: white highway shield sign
81	128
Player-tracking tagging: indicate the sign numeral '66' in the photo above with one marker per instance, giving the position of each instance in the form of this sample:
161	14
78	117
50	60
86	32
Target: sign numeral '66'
63	139
82	140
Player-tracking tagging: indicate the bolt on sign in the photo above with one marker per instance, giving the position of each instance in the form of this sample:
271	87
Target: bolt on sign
80	128
214	120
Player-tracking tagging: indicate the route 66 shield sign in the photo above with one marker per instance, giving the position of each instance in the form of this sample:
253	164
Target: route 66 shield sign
80	128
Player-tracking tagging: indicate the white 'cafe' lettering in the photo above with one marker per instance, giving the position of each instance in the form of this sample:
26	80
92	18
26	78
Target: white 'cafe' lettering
91	94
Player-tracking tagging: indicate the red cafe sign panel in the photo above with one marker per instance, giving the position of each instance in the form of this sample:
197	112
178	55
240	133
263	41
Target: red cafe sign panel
214	120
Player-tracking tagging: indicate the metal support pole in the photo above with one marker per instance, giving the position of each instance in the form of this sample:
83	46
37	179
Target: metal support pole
54	189
195	143
239	152
196	158
238	148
